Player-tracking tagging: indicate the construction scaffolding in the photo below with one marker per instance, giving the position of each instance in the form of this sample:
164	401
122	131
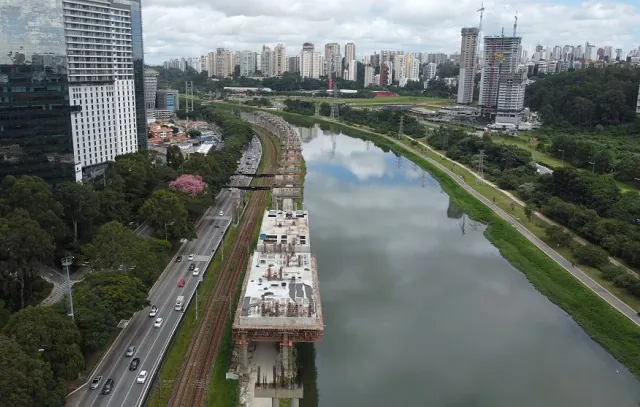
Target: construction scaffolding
287	180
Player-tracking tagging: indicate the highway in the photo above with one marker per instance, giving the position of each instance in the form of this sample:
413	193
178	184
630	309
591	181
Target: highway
151	342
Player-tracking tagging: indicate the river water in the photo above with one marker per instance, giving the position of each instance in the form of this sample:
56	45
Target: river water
421	310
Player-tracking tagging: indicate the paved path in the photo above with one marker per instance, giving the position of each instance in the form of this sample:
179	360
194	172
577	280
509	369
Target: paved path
576	272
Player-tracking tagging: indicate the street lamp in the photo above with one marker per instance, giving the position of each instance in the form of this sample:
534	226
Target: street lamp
593	166
166	236
66	262
561	150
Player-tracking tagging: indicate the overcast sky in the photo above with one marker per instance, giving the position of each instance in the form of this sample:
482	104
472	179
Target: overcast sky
176	28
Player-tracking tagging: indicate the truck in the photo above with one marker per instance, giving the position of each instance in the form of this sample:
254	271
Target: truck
179	303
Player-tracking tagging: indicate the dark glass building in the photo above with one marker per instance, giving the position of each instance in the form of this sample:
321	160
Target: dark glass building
138	70
35	114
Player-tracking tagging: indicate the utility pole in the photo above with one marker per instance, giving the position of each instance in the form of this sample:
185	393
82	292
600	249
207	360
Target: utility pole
561	150
400	127
334	104
66	262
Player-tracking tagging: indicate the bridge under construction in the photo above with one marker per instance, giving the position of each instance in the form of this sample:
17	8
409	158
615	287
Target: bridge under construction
280	301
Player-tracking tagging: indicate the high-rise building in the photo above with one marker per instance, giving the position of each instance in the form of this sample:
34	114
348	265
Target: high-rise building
168	99
247	63
430	71
35	113
503	82
638	104
468	48
369	74
349	52
293	64
412	67
224	63
332	59
311	62
279	63
150	88
210	64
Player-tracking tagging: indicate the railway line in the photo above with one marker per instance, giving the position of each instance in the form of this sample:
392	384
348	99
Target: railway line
191	386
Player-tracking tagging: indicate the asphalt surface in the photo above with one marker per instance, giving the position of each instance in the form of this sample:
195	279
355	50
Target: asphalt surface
602	292
151	342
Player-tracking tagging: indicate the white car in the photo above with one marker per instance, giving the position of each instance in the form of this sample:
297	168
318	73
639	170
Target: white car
196	271
191	256
142	377
221	213
158	323
153	312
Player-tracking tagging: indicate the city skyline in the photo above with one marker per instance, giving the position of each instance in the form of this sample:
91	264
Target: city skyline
405	26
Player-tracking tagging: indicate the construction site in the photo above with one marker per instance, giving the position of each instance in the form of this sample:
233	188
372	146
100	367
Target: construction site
280	301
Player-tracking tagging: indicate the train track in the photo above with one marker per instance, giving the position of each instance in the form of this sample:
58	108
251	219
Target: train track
203	349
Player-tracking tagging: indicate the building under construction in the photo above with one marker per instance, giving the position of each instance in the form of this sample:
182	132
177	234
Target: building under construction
280	301
503	82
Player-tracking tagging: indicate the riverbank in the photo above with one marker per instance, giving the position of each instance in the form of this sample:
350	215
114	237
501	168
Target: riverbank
615	332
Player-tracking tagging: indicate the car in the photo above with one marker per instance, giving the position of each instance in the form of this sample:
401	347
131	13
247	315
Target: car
130	351
95	382
221	213
153	312
191	257
158	323
196	271
178	259
108	386
134	364
142	377
181	282
192	266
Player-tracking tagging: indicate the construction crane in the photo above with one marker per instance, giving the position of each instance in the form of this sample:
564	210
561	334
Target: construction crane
481	11
515	24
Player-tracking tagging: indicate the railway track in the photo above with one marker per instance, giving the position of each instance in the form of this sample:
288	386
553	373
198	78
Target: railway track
194	379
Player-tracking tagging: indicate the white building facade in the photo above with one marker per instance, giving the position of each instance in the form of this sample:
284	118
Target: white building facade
101	82
466	80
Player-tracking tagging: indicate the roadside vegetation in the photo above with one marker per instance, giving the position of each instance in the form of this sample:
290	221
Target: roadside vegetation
94	223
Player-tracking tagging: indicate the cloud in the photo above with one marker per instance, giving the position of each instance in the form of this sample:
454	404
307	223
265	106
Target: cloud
176	28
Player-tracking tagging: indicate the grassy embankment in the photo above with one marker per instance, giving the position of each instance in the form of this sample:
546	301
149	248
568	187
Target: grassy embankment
220	390
616	333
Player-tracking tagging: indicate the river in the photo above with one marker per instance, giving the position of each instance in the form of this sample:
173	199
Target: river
421	309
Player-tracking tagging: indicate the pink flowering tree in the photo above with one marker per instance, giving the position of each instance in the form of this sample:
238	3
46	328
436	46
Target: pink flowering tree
190	184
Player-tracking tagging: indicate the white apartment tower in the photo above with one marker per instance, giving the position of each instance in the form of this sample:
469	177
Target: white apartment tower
468	49
311	62
412	67
369	74
350	63
430	71
101	81
279	60
223	63
503	83
247	63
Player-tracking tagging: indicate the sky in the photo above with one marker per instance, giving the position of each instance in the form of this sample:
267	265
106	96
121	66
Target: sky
184	28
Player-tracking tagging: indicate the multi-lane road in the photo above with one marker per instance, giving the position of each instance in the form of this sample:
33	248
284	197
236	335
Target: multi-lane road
151	342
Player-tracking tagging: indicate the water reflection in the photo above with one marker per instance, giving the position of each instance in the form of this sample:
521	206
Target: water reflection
422	310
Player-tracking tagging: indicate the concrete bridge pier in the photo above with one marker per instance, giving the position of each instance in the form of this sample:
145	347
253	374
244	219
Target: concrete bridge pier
275	402
295	402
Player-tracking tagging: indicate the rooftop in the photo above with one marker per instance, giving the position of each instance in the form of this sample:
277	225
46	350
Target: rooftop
281	286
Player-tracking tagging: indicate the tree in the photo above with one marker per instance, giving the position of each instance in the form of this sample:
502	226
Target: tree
80	203
4	314
101	300
26	381
528	212
23	244
558	235
189	184
175	159
194	133
591	255
112	248
36	197
35	328
165	211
